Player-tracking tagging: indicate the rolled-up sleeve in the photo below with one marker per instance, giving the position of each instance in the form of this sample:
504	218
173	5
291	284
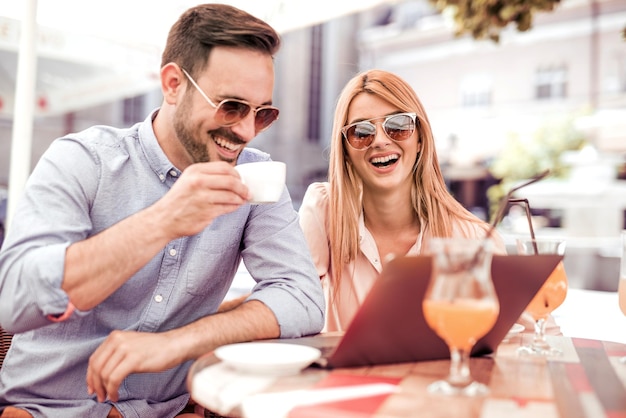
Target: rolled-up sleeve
51	215
41	292
277	257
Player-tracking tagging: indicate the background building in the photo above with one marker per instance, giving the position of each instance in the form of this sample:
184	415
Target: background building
481	96
571	64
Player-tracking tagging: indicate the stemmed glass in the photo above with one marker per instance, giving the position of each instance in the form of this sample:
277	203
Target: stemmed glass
549	297
461	306
621	288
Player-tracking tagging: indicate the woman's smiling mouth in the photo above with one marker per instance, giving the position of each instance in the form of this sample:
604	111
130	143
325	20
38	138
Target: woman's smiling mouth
385	161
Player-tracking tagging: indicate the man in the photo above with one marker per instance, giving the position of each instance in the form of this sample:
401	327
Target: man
127	240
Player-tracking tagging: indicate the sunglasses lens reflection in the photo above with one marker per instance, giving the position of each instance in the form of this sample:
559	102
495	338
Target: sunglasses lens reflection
230	112
397	127
265	117
361	135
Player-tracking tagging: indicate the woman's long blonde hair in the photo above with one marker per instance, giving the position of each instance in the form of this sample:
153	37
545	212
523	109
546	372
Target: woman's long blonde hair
431	199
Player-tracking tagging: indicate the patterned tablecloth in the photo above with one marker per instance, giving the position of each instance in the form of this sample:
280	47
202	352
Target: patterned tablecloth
588	381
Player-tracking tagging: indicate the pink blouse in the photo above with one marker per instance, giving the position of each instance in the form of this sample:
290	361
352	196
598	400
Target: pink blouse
359	275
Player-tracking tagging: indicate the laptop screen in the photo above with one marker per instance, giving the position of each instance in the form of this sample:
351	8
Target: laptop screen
389	327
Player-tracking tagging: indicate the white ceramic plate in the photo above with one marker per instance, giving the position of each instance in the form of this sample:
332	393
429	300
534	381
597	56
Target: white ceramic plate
276	359
515	329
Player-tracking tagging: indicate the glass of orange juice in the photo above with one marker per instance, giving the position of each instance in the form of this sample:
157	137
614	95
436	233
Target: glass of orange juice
621	287
461	306
549	297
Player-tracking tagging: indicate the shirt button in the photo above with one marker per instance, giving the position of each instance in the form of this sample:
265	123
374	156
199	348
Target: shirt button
158	298
172	252
162	177
173	173
376	261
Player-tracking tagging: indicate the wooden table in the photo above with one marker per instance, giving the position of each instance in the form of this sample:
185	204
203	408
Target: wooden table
587	381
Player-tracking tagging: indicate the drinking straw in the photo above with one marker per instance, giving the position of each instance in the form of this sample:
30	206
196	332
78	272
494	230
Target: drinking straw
503	204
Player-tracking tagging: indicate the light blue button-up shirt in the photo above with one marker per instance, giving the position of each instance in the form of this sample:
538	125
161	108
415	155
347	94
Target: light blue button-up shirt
85	183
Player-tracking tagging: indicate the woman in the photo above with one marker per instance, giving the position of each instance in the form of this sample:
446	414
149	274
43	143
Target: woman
385	197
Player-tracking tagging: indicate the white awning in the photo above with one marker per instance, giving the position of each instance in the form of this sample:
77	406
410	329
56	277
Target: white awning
75	72
93	52
74	54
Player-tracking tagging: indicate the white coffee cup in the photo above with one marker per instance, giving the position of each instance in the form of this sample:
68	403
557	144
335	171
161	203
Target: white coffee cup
265	180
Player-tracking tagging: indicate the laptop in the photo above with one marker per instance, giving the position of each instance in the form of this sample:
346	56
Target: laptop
389	327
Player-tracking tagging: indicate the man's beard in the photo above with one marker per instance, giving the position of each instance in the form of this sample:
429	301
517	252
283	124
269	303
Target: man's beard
199	150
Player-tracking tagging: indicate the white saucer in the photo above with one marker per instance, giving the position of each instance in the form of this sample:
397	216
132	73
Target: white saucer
515	329
276	359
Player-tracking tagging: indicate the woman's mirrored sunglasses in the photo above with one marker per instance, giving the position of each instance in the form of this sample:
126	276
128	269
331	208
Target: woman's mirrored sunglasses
398	127
229	112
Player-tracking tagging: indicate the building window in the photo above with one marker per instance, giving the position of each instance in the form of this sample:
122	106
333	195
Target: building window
551	83
133	110
476	91
476	98
315	85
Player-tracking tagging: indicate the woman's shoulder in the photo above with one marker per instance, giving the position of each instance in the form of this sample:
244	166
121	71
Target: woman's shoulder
317	194
314	217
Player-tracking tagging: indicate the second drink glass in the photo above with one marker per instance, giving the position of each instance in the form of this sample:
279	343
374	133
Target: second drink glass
549	297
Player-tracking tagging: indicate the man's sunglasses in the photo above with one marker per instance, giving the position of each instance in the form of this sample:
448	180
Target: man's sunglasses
229	112
398	127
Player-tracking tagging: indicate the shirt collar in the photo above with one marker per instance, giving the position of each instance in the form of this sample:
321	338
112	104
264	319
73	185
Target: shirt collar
159	163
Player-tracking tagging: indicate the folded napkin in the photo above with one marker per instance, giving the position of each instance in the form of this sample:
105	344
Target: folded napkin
221	388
